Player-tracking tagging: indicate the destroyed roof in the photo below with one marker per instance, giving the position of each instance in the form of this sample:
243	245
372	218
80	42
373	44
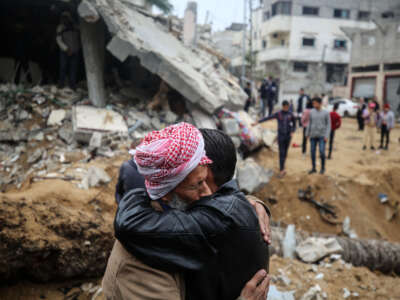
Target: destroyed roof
194	73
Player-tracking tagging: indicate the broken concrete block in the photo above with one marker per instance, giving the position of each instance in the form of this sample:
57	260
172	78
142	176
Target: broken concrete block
347	230
194	74
289	242
314	293
66	135
35	156
135	116
56	117
88	12
314	249
156	123
202	120
14	136
88	119
170	117
230	127
94	177
251	176
96	140
269	137
275	294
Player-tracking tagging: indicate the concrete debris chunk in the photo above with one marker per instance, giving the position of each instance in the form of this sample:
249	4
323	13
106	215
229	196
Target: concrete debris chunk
66	135
95	177
230	127
289	242
185	70
347	230
269	137
35	156
88	119
56	117
251	176
88	12
275	294
202	120
96	140
314	293
314	249
170	117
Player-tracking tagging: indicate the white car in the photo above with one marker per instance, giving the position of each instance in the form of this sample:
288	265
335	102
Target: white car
347	108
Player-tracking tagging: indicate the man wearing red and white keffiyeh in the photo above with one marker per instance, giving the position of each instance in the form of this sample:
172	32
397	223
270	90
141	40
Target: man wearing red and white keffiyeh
165	158
216	242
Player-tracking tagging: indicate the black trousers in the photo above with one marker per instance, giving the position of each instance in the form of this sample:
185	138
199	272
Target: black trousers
331	140
247	105
360	121
69	68
284	144
385	134
304	144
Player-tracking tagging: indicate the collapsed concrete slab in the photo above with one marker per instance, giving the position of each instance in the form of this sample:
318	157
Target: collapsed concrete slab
197	75
87	119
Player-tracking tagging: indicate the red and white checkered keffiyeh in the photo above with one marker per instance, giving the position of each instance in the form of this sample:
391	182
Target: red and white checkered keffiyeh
166	157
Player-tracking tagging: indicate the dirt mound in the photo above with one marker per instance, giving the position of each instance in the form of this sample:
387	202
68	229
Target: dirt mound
353	182
53	230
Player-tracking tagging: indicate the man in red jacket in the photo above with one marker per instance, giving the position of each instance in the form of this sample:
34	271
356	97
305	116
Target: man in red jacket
336	122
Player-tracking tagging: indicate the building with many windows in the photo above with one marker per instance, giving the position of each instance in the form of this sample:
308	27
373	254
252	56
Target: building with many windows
301	41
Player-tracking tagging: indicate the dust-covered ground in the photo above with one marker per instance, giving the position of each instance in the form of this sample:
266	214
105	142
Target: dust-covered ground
59	216
353	182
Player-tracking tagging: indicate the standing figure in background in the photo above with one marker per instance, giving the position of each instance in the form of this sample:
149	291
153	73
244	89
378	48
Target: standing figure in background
305	120
325	101
23	49
249	100
336	122
386	124
370	120
286	128
268	94
68	40
318	131
360	111
301	104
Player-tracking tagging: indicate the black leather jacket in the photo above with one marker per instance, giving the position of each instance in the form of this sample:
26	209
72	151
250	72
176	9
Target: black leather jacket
216	242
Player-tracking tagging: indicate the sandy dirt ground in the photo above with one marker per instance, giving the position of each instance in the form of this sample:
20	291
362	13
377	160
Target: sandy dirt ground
352	184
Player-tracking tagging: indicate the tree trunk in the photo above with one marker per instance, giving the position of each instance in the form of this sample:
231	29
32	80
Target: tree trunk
373	254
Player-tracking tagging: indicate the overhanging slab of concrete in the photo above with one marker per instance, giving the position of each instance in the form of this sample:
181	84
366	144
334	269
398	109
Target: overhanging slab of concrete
194	73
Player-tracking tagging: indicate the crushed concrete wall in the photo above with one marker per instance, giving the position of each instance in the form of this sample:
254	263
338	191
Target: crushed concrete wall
196	74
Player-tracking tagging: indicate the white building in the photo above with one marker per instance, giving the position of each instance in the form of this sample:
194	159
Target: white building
301	41
230	43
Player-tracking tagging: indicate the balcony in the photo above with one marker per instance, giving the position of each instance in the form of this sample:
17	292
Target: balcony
274	53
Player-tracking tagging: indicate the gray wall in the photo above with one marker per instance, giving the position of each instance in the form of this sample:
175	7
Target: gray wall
385	49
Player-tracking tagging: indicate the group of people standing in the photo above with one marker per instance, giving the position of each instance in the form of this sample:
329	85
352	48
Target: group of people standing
370	118
318	125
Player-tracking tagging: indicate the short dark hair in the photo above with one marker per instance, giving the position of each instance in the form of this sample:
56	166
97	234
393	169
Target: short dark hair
317	99
285	102
336	106
221	150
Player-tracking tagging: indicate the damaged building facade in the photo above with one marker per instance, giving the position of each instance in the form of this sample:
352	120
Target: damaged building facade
301	41
375	63
121	40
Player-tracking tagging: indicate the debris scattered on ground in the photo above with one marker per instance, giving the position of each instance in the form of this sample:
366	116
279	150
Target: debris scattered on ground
314	249
251	176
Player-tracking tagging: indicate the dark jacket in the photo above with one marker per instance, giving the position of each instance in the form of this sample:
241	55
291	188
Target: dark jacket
129	179
286	123
216	242
300	103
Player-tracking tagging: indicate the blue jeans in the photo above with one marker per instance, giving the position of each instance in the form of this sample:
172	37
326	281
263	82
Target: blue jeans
69	69
321	142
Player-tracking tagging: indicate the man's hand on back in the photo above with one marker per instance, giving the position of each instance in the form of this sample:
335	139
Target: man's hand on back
257	288
263	219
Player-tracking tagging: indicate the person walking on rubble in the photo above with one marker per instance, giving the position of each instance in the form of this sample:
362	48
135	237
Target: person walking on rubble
286	128
370	120
68	40
386	124
318	131
249	100
305	120
336	122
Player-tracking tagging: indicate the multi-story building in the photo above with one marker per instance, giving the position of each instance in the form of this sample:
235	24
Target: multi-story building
230	43
301	41
375	63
